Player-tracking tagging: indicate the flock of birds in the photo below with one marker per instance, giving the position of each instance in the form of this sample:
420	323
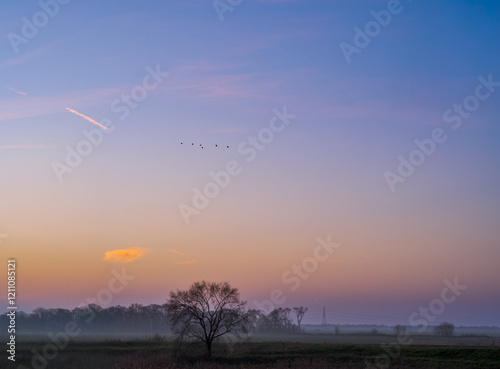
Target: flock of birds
192	144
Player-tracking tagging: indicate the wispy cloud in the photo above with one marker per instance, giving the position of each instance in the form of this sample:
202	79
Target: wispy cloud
196	81
17	91
26	57
206	81
201	66
192	261
35	106
207	87
28	147
85	117
125	255
186	262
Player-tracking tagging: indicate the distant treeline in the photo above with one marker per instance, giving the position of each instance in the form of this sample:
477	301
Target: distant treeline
135	318
154	319
94	319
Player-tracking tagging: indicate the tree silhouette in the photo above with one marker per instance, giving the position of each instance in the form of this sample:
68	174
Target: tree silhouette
300	311
444	329
207	311
399	329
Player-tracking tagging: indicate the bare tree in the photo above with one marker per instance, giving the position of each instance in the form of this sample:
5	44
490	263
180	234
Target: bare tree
207	311
300	311
444	329
399	329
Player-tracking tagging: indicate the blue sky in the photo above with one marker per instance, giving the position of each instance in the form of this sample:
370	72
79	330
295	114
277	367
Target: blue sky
323	174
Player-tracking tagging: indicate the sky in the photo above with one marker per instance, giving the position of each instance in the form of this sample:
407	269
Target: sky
368	125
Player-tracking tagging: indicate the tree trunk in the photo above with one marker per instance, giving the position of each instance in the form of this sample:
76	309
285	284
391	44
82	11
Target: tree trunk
209	350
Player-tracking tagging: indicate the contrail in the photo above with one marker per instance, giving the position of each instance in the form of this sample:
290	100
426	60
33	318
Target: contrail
177	252
17	91
85	117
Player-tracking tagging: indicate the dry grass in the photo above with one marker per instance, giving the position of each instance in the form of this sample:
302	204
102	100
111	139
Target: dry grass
153	353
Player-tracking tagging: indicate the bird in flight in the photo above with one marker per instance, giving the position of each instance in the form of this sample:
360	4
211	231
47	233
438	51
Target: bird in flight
201	145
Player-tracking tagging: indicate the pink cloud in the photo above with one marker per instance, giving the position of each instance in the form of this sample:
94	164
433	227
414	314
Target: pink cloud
125	255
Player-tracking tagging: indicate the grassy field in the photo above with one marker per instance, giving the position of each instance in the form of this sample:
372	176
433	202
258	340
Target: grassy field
323	337
147	354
